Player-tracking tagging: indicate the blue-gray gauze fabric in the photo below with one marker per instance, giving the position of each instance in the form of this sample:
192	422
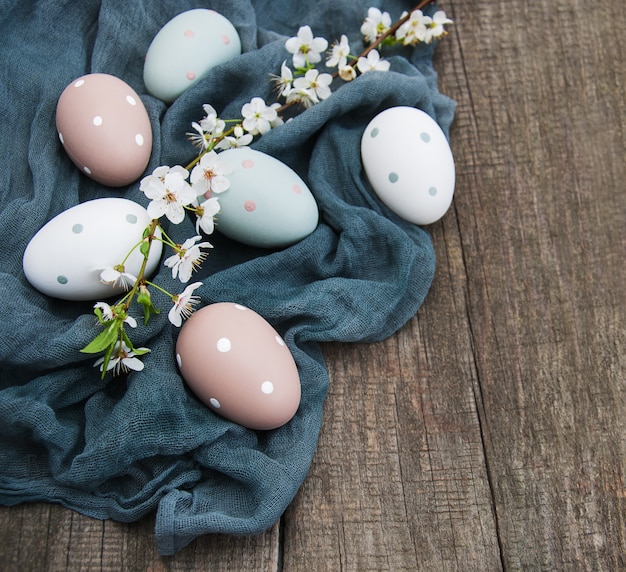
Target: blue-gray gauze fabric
126	446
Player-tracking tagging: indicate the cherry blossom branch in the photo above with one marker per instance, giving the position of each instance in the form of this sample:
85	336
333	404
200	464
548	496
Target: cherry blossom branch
391	31
420	28
174	191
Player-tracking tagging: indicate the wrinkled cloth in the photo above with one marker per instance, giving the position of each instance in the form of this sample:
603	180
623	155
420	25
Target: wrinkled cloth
126	446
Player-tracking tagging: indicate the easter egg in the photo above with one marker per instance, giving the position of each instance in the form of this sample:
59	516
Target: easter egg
238	365
409	164
267	204
186	49
105	129
66	256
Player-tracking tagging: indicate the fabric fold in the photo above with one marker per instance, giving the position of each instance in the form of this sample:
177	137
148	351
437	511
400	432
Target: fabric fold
124	447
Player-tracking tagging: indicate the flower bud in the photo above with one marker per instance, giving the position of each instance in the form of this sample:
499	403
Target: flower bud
347	73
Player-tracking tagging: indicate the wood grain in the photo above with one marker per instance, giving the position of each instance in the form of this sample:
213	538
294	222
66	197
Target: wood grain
546	302
489	433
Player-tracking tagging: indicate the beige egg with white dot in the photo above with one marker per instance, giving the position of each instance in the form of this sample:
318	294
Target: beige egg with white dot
105	129
239	366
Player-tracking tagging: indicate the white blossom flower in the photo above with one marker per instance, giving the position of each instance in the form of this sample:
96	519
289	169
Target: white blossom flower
205	213
372	62
239	138
375	24
117	276
347	73
209	128
339	53
304	96
315	82
169	192
158	175
107	311
257	116
110	313
415	29
183	304
211	123
187	258
278	120
210	175
123	359
436	28
284	80
305	48
199	139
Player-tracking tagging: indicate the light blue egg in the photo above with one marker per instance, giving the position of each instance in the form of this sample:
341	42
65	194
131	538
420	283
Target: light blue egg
186	49
267	205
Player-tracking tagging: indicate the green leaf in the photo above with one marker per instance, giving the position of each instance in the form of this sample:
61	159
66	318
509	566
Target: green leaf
140	351
107	358
145	249
103	340
126	339
98	313
148	308
137	352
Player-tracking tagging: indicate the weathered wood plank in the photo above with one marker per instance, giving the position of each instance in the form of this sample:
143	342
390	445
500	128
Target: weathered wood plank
42	537
543	231
529	292
399	480
490	431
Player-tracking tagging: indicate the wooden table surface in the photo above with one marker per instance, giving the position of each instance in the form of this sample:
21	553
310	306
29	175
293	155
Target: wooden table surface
489	433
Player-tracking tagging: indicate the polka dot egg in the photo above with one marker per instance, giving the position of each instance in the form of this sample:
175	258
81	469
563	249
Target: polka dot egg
64	259
105	129
267	205
238	365
409	164
186	49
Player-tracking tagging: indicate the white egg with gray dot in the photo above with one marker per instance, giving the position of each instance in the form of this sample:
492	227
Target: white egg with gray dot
409	164
65	257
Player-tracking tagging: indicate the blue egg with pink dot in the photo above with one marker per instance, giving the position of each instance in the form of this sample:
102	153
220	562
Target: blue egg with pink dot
267	204
408	162
186	49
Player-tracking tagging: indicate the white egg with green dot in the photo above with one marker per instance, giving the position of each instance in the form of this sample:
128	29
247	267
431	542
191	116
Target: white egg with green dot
66	256
409	164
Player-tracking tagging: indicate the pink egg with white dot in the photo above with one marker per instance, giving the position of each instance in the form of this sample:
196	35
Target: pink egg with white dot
185	49
239	366
105	129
